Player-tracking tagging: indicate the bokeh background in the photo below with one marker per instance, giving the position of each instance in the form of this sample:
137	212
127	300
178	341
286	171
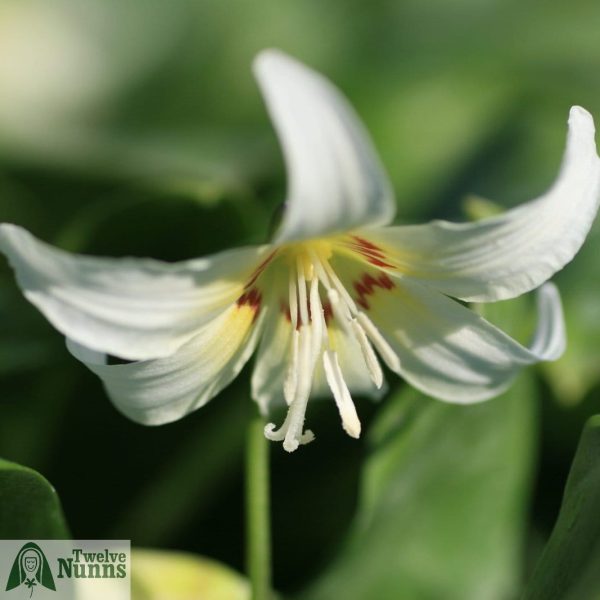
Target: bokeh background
134	127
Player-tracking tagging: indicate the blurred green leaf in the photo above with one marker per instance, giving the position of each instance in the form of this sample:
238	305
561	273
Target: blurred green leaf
430	129
179	576
570	565
29	505
444	497
577	371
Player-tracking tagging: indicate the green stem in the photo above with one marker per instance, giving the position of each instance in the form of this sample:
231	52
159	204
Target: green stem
258	531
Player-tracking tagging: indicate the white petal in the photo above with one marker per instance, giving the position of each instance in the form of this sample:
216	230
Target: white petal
159	391
133	308
550	339
450	352
505	256
335	179
272	360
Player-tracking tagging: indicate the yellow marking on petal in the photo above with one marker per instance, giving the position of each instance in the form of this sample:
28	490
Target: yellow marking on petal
233	331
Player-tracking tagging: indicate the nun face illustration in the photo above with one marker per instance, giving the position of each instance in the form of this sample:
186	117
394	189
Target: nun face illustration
30	561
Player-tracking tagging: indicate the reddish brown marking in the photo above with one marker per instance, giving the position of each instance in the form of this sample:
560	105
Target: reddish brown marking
374	254
379	263
327	312
386	281
285	309
367	285
251	298
366	244
258	271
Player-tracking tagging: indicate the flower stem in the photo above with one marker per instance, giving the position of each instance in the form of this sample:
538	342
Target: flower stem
258	531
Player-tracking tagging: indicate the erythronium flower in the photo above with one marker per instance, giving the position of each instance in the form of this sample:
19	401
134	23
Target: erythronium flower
334	293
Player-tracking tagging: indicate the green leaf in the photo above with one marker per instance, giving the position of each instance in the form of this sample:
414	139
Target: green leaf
29	505
179	576
444	497
576	373
569	568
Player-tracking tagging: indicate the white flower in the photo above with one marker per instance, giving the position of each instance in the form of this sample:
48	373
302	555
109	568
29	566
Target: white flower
336	292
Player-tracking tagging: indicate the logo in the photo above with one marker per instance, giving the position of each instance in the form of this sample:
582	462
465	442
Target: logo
65	569
30	569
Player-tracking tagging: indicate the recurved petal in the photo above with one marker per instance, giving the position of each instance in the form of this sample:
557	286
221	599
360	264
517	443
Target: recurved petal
133	308
451	353
158	391
515	252
335	179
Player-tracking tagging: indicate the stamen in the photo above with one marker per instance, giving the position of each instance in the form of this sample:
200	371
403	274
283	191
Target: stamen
368	353
343	314
293	298
390	358
310	339
317	320
340	311
302	300
343	399
339	286
291	377
318	265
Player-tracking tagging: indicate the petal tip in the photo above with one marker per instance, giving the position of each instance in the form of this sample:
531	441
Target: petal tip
270	58
7	229
581	118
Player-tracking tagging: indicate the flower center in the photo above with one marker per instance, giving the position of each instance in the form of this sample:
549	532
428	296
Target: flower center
316	296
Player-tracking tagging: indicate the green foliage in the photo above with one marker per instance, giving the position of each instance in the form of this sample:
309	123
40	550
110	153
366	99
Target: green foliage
569	568
444	495
30	508
577	373
29	505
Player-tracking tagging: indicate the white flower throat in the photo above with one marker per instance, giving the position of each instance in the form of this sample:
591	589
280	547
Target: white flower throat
316	301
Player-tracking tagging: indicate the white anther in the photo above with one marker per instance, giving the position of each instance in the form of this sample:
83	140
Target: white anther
343	399
386	352
368	353
339	286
